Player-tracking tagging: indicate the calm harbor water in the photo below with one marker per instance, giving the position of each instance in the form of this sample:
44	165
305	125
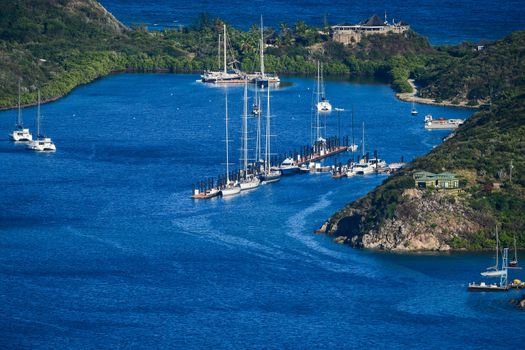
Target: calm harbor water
442	21
101	246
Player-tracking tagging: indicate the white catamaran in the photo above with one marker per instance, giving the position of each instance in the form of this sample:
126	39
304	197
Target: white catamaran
42	143
20	134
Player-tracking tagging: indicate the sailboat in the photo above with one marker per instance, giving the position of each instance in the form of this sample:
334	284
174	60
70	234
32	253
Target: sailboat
230	188
249	180
256	105
20	134
494	271
42	143
364	166
269	175
514	262
353	146
224	76
414	110
323	105
262	78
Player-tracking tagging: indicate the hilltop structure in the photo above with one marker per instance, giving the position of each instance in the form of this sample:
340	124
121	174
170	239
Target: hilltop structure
350	34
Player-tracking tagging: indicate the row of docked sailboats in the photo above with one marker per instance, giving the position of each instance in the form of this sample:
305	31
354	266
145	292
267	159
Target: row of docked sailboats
230	74
250	178
23	135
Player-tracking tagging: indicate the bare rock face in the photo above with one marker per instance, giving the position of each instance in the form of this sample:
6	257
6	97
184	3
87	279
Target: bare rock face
422	221
93	11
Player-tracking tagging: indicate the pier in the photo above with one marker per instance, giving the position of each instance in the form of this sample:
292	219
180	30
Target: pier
210	187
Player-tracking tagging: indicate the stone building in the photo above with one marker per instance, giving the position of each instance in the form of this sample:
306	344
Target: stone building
444	181
350	34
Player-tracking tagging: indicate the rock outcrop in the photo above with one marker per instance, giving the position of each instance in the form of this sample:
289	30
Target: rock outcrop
422	220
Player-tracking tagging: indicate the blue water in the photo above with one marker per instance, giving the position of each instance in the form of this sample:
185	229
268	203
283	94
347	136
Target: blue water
442	21
101	246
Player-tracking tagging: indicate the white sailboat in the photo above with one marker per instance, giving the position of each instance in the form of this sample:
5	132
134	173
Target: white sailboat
262	78
231	188
494	271
20	134
414	110
514	261
249	180
224	76
353	146
42	143
323	105
269	175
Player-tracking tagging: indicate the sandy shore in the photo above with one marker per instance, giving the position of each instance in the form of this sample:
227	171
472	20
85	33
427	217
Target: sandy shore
412	97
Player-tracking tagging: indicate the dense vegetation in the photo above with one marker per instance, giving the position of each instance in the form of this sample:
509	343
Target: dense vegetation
481	152
55	45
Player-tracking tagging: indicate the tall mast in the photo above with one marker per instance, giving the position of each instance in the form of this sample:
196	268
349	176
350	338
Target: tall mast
224	48
258	141
363	140
317	121
19	117
245	128
267	147
515	249
322	83
262	48
227	155
353	142
38	116
318	83
497	247
219	53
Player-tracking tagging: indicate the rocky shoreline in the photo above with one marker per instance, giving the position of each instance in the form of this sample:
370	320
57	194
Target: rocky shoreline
412	97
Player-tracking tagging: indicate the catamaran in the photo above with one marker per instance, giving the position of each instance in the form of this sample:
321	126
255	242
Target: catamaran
231	187
323	105
494	271
224	76
20	134
42	143
249	181
269	175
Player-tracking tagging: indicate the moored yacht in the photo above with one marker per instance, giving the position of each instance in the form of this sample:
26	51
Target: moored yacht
288	167
269	175
20	134
42	143
231	187
323	105
363	167
248	181
226	76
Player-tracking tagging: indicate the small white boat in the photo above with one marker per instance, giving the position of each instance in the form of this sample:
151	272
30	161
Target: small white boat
42	143
322	105
414	110
288	167
363	168
377	163
20	134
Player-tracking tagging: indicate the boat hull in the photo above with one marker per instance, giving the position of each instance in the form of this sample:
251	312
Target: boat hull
230	191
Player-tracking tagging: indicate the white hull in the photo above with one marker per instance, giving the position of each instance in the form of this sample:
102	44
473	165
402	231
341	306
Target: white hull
324	106
230	191
273	176
250	184
42	145
21	136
